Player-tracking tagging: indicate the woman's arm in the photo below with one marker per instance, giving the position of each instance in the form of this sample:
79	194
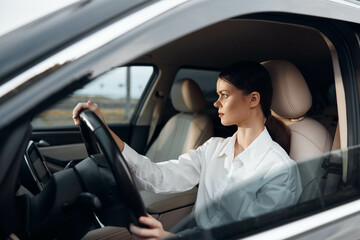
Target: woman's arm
170	176
165	177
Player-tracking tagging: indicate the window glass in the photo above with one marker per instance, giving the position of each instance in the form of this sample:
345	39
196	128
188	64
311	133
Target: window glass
206	79
117	92
322	188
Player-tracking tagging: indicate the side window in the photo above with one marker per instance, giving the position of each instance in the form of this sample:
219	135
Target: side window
206	79
117	92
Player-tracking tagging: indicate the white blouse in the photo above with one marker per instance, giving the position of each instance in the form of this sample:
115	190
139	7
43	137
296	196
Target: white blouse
260	179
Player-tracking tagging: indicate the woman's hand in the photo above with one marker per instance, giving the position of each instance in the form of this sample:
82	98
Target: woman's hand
155	230
86	106
94	108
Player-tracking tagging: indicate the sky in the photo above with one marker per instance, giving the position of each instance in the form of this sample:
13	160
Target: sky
113	83
15	13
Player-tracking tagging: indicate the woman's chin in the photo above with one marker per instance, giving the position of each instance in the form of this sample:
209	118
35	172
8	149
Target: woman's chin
226	124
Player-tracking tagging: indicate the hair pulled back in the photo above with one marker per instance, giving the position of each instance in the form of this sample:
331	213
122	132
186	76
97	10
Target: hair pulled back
253	77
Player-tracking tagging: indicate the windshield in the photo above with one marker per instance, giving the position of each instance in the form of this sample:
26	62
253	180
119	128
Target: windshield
18	13
52	33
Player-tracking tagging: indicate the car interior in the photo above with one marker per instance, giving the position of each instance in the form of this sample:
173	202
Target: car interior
177	108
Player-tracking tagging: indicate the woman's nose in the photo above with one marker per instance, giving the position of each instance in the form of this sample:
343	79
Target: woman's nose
216	103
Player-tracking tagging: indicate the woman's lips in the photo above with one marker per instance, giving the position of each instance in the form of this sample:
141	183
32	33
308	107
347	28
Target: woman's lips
221	114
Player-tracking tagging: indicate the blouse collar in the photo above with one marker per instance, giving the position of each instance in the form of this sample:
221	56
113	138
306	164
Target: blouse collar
254	153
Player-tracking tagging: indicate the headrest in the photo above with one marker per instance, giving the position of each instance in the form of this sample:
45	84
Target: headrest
186	96
291	95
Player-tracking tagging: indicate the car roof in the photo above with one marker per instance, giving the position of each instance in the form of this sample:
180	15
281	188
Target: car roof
47	35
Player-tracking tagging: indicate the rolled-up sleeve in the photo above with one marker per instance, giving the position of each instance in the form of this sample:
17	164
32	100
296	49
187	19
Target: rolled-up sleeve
165	177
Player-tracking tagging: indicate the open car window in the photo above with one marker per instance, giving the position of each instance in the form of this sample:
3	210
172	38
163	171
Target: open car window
117	92
319	193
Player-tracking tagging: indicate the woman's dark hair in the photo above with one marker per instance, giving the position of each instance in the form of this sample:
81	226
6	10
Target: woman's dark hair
253	77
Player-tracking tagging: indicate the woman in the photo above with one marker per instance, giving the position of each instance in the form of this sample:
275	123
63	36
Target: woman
242	176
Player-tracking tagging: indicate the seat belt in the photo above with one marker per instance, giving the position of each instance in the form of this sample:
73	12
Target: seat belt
159	96
333	166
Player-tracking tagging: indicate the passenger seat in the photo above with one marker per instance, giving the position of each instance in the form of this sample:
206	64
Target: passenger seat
309	139
186	130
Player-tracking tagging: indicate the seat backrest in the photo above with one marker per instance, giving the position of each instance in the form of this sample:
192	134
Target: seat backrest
187	129
184	131
309	138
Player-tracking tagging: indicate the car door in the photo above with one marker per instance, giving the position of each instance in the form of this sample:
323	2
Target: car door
330	216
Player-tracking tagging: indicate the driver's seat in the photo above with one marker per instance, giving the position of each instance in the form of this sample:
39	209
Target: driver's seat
309	139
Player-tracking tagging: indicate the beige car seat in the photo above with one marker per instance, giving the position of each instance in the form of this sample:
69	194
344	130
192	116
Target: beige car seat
187	129
309	139
184	131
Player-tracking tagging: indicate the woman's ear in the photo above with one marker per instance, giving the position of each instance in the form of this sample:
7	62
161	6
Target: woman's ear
254	99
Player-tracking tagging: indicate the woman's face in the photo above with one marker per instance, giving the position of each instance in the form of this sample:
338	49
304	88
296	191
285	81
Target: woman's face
234	107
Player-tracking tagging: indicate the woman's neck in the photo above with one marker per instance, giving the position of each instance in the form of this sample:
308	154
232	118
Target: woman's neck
246	135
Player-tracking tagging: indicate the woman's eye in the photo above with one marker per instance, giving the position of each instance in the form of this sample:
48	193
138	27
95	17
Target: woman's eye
224	95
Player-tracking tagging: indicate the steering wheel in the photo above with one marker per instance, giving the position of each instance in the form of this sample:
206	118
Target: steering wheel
94	131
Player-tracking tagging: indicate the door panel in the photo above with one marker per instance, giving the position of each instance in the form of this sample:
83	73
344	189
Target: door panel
55	137
58	156
60	146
